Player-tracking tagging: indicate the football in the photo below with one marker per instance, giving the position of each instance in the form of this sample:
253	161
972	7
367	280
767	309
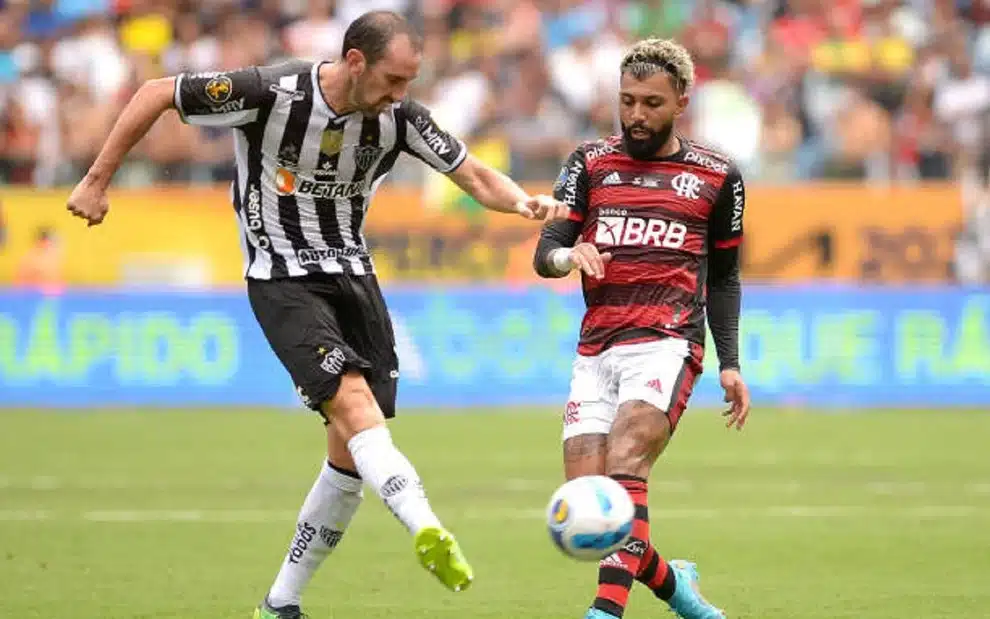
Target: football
590	517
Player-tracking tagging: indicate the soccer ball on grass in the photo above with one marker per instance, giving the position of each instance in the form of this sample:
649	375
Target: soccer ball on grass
590	517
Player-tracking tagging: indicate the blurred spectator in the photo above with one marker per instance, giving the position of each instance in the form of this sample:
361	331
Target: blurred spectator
962	102
876	90
539	127
726	116
318	35
3	228
972	260
41	268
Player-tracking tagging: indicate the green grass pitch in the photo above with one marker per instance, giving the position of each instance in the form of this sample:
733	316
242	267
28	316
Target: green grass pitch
186	515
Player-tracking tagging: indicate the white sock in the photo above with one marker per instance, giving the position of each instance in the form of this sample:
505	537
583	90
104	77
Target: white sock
384	468
324	517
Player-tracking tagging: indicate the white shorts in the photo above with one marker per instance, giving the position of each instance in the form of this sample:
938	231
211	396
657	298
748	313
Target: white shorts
661	373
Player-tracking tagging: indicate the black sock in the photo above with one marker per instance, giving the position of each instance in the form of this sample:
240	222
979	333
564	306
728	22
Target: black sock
666	589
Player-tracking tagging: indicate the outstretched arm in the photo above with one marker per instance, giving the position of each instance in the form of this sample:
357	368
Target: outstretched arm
228	99
150	101
424	139
491	188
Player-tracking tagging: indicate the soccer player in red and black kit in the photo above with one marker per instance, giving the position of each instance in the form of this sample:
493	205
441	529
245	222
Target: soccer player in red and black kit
655	226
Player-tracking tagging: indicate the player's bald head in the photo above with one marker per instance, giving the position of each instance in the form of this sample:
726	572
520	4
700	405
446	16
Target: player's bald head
373	33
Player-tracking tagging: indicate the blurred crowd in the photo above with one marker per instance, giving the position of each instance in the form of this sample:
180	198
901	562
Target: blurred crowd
877	91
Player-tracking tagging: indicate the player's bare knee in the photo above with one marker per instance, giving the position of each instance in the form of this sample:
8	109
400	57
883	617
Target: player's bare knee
353	408
639	435
337	452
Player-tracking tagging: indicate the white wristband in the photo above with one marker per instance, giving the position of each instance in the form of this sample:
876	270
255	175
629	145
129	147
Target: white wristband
561	259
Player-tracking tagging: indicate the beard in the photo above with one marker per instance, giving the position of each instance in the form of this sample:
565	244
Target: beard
645	148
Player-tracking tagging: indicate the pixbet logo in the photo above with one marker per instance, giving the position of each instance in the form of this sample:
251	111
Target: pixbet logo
706	161
640	231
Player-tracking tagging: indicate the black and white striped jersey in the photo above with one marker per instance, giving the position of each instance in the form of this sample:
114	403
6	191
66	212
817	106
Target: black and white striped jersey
305	175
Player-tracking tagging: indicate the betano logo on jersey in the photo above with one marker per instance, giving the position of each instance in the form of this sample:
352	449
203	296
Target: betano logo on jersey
640	231
288	183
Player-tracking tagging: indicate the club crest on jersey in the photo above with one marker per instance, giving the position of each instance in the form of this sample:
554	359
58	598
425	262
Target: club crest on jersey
219	89
365	156
687	185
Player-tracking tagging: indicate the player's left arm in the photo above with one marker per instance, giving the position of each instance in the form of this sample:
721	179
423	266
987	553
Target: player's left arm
556	253
445	153
725	291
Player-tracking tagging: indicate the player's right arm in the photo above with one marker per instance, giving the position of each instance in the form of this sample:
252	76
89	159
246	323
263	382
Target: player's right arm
227	99
88	199
556	255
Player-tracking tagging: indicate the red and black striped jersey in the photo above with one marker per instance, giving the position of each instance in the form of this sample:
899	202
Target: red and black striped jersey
658	219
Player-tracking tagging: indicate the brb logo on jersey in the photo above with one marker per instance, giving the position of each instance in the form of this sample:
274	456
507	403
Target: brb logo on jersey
640	231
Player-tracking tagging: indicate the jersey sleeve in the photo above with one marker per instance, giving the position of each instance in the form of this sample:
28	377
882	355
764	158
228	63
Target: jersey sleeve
573	183
726	223
427	141
220	99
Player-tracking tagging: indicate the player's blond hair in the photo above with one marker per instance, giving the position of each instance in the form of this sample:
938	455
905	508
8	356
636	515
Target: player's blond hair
649	56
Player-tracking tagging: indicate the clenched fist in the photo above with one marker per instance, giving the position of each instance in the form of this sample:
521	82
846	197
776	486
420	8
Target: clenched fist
89	201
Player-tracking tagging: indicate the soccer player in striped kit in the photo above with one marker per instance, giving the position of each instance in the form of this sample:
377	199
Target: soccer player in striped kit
312	143
654	228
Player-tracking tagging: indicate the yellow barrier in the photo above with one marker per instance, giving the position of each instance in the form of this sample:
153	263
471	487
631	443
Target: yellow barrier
851	233
798	233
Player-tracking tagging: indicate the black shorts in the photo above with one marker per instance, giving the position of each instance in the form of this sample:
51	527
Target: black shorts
321	326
